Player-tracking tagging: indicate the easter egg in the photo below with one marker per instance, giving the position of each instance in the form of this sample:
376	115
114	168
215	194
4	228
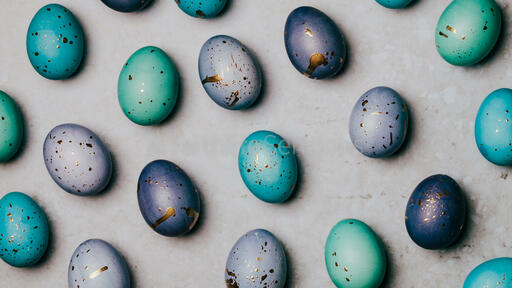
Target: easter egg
11	127
77	160
201	8
378	122
229	73
268	166
257	260
24	230
314	43
168	200
55	42
468	30
96	264
436	212
126	5
148	86
495	273
394	4
355	255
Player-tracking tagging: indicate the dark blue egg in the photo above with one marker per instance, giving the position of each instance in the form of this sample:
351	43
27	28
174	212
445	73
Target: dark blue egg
436	212
314	43
126	5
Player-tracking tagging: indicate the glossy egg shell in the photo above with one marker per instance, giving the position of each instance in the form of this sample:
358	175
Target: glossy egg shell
229	73
168	200
55	42
436	212
96	264
201	8
24	230
257	260
394	4
355	255
77	159
148	86
495	273
126	5
467	31
11	127
314	43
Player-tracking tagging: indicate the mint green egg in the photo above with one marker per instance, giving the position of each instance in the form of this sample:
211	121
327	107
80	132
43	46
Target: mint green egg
355	255
148	86
11	127
467	31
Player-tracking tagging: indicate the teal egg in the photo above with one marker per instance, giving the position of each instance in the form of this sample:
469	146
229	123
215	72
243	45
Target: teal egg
55	42
355	256
495	273
23	230
394	4
201	8
148	86
268	166
11	127
467	31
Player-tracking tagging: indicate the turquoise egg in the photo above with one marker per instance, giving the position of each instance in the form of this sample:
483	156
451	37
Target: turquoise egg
148	86
201	8
394	4
495	273
493	127
268	166
55	42
23	230
355	256
11	127
467	31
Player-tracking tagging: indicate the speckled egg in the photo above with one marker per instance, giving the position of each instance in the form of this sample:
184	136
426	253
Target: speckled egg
55	42
378	122
394	4
96	264
11	127
436	212
126	5
314	43
201	8
268	166
168	200
148	86
467	31
355	256
77	159
23	230
229	73
495	273
257	260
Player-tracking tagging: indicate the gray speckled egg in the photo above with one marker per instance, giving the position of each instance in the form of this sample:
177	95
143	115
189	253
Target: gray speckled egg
229	73
378	123
257	260
96	264
77	159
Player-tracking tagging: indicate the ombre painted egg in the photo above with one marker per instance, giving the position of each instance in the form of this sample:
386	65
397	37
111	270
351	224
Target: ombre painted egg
168	200
126	5
495	273
11	127
314	44
77	160
148	86
55	42
268	166
257	260
394	4
24	230
201	8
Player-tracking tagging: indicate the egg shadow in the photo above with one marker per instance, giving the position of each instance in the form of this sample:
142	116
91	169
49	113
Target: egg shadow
85	54
51	243
298	184
132	276
389	277
347	58
176	109
290	273
226	8
463	237
113	179
409	136
498	47
411	5
264	82
24	137
200	221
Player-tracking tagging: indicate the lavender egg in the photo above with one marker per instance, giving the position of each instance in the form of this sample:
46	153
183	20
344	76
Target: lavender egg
77	160
168	200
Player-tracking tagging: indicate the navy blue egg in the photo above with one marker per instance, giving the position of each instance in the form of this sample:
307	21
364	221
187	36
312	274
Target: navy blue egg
126	5
436	212
314	43
168	200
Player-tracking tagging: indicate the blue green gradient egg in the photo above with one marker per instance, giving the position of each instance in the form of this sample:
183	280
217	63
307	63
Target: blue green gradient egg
394	4
11	127
201	8
495	273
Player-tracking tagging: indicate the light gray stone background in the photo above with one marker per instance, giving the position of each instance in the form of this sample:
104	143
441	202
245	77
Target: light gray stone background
386	47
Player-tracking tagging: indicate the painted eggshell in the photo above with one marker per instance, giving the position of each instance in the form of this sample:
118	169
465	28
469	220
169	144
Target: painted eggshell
257	260
168	200
378	122
229	73
55	42
23	230
77	160
126	5
495	273
268	166
96	264
314	43
394	4
467	31
355	255
11	127
493	128
436	212
201	8
148	86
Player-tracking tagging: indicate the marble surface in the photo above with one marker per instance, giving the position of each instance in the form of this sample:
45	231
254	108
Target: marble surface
386	47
